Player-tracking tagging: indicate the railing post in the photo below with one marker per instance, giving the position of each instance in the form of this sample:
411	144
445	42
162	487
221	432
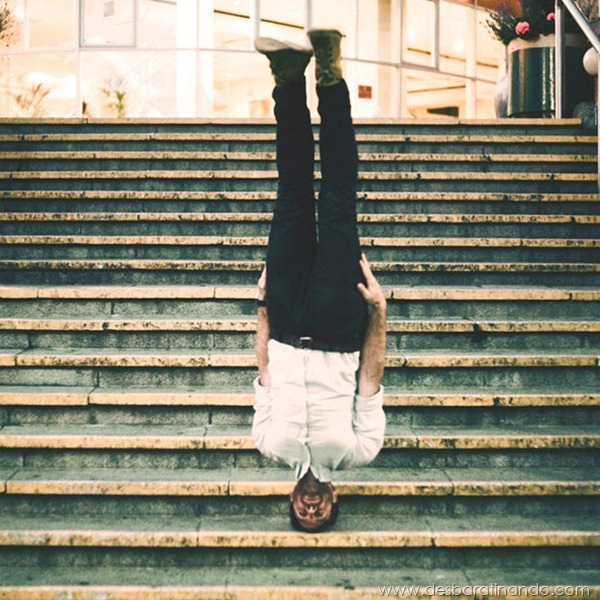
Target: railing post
559	59
560	6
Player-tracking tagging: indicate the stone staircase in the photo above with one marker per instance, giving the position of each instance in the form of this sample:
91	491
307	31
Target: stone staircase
129	254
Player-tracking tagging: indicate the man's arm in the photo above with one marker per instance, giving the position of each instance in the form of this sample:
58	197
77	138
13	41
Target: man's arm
262	395
368	421
372	357
277	439
262	333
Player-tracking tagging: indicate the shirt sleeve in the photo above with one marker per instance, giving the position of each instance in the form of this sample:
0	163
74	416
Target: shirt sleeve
281	440
369	428
262	415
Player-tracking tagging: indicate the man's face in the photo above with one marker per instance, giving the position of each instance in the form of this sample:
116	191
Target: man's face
312	501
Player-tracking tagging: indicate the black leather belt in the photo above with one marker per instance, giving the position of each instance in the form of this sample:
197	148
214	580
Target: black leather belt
307	342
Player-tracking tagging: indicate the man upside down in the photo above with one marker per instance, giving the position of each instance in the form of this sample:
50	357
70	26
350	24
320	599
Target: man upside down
321	330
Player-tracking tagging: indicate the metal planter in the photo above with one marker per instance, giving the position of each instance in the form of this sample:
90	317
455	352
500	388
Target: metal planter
531	76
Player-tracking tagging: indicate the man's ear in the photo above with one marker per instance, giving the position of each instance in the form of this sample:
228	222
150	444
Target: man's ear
334	494
293	492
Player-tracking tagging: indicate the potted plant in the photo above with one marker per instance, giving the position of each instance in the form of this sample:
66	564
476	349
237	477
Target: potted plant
31	101
526	28
116	97
7	24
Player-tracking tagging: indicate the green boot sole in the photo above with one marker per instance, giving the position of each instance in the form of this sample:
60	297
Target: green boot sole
288	61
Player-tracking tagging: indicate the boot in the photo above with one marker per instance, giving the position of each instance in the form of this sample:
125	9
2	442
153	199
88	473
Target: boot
326	44
288	61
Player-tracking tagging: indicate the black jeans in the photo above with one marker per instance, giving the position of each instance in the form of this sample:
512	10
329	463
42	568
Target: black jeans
311	281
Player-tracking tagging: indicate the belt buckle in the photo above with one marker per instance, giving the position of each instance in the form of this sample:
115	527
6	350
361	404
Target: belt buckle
306	342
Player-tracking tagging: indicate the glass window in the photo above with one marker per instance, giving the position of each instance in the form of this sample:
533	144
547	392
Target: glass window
232	25
12	18
40	85
429	95
51	23
108	23
283	13
456	37
485	100
338	14
372	89
234	7
139	84
242	85
378	20
283	20
195	57
418	32
166	24
490	51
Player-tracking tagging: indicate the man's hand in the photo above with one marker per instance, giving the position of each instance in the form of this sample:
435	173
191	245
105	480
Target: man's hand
371	292
261	294
372	356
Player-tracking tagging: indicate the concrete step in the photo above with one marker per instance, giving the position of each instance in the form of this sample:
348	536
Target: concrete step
227	143
327	584
256	161
479	540
112	437
417	490
111	358
420	302
228	406
235	583
249	325
261	241
277	482
239	582
228	416
209	447
238	157
62	396
373	219
400	293
235	272
257	224
253	126
219	334
228	180
515	370
404	493
41	130
415	202
249	248
490	458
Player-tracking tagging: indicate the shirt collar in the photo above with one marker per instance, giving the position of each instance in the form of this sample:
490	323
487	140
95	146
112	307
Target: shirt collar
321	472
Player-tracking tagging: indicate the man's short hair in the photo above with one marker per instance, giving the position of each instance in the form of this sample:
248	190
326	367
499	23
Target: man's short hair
330	522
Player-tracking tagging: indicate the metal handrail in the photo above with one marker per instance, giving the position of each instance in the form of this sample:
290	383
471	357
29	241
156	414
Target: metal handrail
559	63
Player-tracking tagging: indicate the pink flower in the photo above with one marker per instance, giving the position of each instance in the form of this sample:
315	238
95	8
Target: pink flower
522	28
550	17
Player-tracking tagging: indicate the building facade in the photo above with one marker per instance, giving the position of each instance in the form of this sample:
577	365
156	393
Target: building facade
195	58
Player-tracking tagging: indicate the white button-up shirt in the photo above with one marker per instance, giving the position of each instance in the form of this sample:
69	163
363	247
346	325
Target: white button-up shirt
311	416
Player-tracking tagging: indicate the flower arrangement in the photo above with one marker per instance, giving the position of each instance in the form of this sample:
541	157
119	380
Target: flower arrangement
527	20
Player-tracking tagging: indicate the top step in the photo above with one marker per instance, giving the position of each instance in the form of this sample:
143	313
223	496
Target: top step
379	126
